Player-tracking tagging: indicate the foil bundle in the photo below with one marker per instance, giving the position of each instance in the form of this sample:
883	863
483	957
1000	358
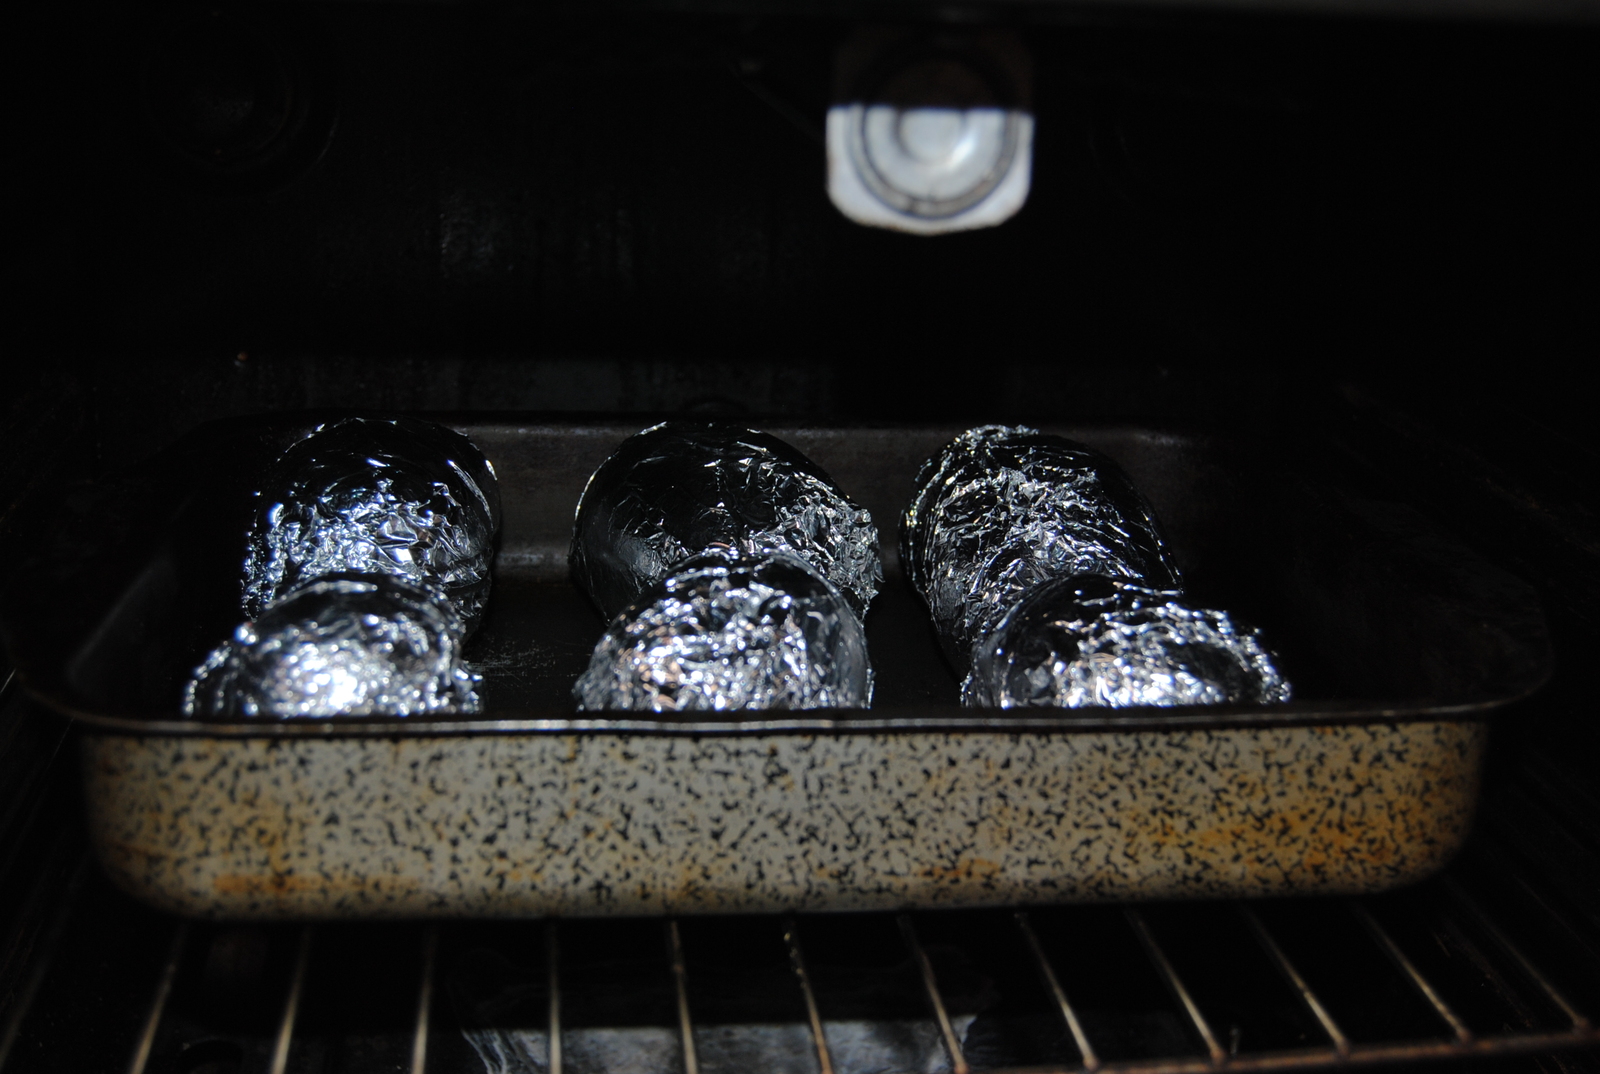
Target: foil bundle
1050	584
1092	640
393	496
734	571
999	509
345	644
680	488
732	632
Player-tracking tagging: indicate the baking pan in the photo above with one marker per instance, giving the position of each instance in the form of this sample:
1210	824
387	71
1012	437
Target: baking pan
1400	643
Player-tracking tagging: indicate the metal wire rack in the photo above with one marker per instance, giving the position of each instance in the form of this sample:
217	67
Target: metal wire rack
1315	984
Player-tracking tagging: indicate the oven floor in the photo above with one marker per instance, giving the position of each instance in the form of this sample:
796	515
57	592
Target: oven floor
1424	974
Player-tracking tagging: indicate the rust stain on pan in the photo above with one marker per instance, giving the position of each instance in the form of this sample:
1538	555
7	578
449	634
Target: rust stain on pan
281	884
969	869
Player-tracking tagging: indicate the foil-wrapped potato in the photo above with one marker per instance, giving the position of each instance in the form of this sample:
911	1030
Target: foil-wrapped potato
377	495
1000	509
1093	640
732	632
1050	583
734	572
680	488
345	644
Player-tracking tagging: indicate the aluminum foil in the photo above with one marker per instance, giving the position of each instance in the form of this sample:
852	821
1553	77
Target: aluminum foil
395	496
1093	640
732	632
680	488
342	645
1000	509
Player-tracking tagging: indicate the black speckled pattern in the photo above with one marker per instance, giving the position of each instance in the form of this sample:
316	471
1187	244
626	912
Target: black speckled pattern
611	824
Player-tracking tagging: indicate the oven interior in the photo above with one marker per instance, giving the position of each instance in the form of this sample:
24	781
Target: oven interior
1366	240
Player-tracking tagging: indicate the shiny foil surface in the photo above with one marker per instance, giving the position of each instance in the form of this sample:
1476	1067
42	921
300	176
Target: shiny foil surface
1001	509
680	488
395	496
1093	640
342	645
726	633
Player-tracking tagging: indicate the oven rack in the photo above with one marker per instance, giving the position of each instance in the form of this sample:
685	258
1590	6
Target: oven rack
1540	1016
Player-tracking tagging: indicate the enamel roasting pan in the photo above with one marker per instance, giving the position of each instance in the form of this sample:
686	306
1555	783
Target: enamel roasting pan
1399	641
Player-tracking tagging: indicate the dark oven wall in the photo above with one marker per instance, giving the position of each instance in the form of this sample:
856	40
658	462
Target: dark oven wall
460	207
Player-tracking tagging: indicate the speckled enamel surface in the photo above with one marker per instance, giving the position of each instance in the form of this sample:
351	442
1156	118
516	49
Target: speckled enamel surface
612	824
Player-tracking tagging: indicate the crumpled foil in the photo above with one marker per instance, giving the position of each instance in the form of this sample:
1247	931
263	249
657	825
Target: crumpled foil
680	488
732	632
342	645
1093	640
388	495
1000	509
